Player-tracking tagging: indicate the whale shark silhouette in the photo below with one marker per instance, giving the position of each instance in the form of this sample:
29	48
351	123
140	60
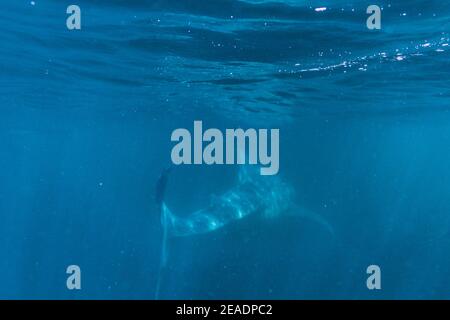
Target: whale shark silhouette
268	196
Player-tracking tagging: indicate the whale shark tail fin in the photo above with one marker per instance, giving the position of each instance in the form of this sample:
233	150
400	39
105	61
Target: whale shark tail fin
315	217
161	185
166	217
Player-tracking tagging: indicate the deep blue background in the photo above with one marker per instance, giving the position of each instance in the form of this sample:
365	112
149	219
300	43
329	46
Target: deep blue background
85	124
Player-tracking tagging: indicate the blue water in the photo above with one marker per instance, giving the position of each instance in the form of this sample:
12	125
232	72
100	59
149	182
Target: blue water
85	124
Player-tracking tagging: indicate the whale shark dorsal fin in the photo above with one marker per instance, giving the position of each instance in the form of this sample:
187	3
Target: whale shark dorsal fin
248	173
243	174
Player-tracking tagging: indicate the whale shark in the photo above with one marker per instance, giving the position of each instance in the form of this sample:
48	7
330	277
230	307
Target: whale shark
268	196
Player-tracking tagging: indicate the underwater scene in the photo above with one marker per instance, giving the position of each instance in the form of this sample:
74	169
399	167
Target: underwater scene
224	149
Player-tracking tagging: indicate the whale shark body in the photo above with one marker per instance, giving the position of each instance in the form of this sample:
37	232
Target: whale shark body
252	194
268	196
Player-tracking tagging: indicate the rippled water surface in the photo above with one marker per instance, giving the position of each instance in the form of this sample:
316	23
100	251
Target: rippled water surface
85	124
